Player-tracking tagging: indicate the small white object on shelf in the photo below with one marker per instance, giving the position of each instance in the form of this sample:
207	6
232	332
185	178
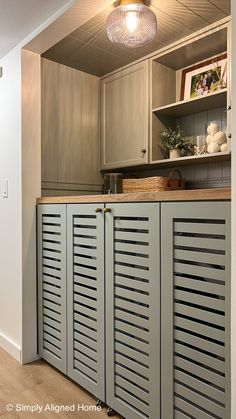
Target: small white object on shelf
213	148
213	128
209	139
219	138
175	154
224	147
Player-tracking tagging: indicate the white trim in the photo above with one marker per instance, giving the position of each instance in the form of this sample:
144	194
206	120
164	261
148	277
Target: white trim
10	347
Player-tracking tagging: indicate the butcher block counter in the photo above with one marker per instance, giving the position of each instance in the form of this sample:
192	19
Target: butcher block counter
214	194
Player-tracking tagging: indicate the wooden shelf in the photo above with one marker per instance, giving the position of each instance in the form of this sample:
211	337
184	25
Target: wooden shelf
188	160
180	162
192	106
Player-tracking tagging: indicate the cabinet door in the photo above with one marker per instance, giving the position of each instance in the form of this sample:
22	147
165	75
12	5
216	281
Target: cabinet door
70	129
133	310
85	296
52	284
125	117
195	310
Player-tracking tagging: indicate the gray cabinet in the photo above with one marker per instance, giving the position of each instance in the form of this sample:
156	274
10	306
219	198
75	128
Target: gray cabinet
133	309
86	297
195	301
70	131
52	285
125	118
134	304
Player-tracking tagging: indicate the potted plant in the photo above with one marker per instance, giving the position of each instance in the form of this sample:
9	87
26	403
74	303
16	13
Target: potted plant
174	143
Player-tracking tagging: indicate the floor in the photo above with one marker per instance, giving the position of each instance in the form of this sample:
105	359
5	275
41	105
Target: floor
40	386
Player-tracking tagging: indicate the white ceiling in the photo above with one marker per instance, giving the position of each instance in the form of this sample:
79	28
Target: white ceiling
18	18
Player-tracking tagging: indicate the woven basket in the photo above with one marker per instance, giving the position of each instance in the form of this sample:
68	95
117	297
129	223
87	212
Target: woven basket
154	184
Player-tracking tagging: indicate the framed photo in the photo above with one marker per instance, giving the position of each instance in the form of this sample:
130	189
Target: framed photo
204	78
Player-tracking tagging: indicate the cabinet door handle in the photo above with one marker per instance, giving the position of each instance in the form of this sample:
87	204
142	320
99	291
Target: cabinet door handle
98	210
106	210
143	150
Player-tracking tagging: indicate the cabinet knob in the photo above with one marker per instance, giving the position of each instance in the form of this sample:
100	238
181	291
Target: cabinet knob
143	150
106	210
229	108
229	135
98	210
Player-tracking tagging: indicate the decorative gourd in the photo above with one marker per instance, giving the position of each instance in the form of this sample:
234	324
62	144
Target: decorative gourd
209	139
213	148
224	147
213	128
220	138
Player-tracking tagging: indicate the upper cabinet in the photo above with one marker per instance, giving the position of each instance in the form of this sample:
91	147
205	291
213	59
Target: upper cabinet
70	130
124	124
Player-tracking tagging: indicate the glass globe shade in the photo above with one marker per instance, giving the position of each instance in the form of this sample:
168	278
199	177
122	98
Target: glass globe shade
131	25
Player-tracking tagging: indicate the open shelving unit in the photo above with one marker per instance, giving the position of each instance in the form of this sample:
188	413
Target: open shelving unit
192	106
166	108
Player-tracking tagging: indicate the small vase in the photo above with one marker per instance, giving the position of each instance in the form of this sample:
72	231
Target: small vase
175	153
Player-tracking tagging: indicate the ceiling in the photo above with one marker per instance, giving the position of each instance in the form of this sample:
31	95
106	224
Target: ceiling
88	48
18	18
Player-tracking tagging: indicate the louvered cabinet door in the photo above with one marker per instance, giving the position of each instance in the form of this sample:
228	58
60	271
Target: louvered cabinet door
52	284
85	296
195	310
133	310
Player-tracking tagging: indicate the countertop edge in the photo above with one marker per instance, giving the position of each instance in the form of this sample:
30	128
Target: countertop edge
213	194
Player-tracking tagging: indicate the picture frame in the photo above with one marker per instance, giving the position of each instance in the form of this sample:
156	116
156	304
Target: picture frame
204	78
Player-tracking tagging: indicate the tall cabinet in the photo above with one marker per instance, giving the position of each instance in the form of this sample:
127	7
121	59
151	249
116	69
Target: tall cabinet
70	131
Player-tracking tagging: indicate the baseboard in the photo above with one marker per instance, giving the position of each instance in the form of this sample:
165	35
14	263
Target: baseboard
10	347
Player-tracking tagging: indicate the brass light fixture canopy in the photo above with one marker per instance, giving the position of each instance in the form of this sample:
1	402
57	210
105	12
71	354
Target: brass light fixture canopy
131	24
123	2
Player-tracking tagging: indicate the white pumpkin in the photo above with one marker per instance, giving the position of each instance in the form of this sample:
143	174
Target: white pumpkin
224	147
213	128
219	138
213	148
209	139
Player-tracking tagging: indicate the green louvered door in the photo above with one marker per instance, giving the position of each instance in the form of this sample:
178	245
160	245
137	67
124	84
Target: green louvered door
52	284
133	309
195	301
85	297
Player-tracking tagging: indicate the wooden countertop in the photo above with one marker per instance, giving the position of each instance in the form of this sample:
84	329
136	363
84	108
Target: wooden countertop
213	194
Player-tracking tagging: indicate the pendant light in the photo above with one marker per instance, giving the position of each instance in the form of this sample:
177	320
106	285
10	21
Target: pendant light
131	24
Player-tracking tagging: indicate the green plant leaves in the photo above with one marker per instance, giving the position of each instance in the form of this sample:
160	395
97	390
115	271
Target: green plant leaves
175	139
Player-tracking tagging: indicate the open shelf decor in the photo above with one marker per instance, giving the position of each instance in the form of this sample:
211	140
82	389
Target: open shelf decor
204	78
178	96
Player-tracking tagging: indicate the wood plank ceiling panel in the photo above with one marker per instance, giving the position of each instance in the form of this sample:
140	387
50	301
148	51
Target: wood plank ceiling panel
175	11
207	9
88	48
224	5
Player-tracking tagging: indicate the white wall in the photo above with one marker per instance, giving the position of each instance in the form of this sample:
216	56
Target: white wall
10	209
